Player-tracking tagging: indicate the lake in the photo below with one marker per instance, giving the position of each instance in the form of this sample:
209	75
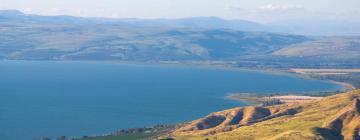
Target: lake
51	99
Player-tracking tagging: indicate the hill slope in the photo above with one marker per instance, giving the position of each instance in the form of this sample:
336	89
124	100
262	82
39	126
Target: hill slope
33	37
333	118
332	48
239	43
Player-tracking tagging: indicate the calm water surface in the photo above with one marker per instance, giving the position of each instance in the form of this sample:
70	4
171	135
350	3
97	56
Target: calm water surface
39	99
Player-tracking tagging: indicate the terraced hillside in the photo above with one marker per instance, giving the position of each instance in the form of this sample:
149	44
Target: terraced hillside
333	118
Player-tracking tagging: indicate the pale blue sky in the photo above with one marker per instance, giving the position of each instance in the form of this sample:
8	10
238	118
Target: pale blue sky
254	10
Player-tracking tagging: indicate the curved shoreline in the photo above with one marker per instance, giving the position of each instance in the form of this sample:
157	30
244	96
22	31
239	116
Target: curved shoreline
348	86
225	67
286	72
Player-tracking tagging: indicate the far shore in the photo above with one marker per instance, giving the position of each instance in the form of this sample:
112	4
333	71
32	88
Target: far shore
308	72
228	65
325	71
346	85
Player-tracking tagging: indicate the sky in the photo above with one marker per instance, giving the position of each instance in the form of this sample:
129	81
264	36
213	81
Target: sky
264	11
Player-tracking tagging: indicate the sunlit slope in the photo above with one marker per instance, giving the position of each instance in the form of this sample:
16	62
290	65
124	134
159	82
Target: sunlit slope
332	48
333	118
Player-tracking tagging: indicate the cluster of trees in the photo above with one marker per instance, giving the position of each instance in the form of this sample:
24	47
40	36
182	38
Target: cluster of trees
270	102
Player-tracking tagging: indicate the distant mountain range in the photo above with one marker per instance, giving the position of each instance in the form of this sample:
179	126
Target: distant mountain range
312	27
34	37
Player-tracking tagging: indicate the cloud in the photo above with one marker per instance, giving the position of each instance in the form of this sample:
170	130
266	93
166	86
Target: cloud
269	12
273	7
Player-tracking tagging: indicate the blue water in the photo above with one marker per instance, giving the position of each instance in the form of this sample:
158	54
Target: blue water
52	99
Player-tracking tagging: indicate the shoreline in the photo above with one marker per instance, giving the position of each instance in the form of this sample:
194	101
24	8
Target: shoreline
251	99
309	72
212	65
221	65
344	85
348	86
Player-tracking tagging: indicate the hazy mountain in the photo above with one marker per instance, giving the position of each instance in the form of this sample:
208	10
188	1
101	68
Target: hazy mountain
327	48
317	27
10	12
114	42
201	22
34	37
313	27
8	16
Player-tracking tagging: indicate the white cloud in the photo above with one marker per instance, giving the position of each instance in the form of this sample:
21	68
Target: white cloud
273	7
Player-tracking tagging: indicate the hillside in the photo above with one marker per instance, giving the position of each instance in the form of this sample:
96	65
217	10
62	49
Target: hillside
327	48
32	37
199	39
333	118
102	42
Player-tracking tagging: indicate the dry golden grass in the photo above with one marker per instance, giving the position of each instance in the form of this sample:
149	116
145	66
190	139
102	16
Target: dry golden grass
316	120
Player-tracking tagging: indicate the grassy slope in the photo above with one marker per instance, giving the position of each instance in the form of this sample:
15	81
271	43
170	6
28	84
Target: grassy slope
298	126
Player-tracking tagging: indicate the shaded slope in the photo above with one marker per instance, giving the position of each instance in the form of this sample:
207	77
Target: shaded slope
346	122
